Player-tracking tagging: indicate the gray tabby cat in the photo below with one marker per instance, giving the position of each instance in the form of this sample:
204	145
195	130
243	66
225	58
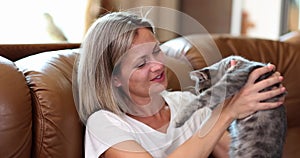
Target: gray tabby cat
260	135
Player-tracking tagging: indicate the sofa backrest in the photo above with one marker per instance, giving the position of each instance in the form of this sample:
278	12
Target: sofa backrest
57	129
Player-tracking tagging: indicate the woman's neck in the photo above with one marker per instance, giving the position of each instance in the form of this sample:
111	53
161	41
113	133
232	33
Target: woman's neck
158	121
145	106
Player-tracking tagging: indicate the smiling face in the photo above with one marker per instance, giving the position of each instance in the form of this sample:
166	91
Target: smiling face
142	72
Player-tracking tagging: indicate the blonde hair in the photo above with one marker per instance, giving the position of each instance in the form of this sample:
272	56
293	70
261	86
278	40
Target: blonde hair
106	41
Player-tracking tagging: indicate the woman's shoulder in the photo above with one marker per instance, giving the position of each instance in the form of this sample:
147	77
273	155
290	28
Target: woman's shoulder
104	118
100	115
103	130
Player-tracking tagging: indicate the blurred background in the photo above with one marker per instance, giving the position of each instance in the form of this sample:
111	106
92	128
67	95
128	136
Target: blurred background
56	21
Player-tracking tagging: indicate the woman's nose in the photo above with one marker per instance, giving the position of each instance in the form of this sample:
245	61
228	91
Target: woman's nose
156	66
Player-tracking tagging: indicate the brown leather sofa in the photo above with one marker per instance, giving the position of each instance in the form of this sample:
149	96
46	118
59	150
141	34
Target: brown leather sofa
38	116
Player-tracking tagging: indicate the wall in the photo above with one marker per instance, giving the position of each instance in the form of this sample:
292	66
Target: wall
159	17
214	15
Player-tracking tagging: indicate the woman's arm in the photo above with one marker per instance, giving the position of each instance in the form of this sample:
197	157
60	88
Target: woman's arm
126	149
202	143
221	149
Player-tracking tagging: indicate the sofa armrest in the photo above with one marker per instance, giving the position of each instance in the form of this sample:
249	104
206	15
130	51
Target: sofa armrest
15	112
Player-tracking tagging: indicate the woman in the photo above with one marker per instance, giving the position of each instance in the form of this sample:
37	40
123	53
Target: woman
128	112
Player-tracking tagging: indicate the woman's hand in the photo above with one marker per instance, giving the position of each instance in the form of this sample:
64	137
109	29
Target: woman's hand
248	100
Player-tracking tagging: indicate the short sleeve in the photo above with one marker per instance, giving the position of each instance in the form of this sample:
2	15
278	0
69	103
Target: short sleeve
103	130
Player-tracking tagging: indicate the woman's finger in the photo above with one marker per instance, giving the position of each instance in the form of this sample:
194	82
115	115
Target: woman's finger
258	72
269	105
267	82
276	73
270	94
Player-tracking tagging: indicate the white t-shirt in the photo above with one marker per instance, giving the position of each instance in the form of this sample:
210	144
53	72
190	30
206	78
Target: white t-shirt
105	129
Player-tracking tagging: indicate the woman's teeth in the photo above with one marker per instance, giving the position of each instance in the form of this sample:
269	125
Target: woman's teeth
158	77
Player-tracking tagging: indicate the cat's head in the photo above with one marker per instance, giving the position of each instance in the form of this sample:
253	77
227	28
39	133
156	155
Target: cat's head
208	76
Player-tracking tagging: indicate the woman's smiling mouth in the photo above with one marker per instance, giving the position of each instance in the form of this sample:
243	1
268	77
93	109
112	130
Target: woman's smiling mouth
159	78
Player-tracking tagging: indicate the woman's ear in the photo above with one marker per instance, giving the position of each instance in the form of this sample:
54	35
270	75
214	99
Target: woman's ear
116	81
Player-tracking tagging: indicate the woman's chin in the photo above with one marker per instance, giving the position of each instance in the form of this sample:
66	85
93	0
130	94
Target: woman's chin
157	88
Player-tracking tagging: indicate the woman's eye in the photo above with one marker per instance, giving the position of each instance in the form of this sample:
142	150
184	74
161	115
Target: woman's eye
141	64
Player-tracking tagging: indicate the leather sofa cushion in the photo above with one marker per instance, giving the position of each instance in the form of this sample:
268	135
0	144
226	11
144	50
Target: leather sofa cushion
57	130
15	112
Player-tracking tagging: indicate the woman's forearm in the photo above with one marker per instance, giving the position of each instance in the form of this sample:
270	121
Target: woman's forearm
202	143
221	149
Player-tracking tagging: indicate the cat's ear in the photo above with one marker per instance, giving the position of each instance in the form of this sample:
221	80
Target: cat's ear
228	65
200	75
233	62
206	74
